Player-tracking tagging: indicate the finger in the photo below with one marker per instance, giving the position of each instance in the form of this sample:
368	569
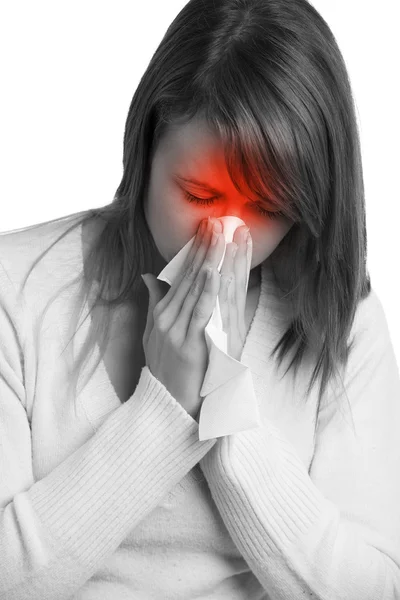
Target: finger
240	267
180	285
204	306
232	305
226	277
185	316
187	293
227	265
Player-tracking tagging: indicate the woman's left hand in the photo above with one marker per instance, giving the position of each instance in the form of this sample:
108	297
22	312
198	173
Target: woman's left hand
232	292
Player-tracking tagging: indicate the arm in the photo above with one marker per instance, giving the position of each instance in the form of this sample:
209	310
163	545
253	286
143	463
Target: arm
56	532
333	534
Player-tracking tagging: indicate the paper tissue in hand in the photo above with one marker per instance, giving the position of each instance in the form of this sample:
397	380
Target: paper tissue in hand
230	403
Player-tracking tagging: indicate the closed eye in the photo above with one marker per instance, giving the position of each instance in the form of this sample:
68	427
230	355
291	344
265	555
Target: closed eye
208	201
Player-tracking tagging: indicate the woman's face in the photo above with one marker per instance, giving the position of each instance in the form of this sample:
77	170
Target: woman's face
193	152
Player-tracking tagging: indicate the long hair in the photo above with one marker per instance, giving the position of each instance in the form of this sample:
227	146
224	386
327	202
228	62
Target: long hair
269	78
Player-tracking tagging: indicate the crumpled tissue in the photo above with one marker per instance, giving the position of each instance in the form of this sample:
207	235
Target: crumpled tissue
229	404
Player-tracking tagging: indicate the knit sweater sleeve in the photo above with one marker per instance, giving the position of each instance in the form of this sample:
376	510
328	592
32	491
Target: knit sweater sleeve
56	532
334	532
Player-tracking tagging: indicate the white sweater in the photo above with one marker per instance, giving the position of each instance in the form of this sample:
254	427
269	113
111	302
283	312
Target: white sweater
122	501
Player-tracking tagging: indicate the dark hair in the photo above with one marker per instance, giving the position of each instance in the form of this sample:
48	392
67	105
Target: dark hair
269	78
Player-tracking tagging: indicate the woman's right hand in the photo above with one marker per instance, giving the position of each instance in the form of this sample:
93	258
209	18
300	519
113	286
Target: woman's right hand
174	342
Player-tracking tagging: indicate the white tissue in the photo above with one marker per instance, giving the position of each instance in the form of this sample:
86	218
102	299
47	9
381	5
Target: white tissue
230	404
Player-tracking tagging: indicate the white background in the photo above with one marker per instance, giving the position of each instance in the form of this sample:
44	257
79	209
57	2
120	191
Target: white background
69	71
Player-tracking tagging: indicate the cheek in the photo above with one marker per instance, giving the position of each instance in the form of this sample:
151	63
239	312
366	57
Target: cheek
175	234
270	237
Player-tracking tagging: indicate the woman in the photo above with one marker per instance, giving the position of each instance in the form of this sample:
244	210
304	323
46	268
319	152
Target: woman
106	490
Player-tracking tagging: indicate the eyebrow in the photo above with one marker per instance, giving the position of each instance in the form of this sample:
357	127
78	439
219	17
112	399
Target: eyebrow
199	184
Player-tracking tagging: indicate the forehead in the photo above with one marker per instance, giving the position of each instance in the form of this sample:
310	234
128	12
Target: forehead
194	150
193	144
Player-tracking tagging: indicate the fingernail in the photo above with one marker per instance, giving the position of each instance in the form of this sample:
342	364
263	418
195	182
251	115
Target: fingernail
234	250
214	238
217	225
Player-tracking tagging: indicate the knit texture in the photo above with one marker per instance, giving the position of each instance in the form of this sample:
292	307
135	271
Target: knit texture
103	500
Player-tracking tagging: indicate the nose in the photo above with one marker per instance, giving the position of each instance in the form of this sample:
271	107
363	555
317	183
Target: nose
232	208
229	225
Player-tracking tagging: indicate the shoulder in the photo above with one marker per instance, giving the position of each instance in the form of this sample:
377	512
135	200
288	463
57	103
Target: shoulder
370	325
371	369
91	229
21	249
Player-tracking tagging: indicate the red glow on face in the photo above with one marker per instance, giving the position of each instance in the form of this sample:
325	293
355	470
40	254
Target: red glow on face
214	193
189	181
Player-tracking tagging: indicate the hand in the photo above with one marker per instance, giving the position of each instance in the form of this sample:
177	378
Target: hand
174	342
232	292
